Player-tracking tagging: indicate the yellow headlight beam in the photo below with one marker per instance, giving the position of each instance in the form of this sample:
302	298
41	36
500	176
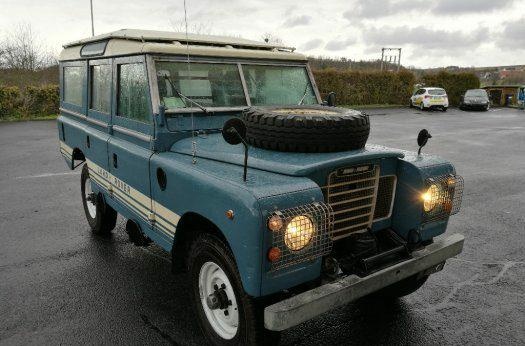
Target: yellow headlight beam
299	232
431	197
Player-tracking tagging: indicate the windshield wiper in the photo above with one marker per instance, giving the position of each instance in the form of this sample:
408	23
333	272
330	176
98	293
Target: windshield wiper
304	95
183	97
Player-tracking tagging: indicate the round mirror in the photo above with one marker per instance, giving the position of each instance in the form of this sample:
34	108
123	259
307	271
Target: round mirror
422	137
234	131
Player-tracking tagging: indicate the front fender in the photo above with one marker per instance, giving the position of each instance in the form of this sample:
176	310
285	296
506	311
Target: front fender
412	172
210	188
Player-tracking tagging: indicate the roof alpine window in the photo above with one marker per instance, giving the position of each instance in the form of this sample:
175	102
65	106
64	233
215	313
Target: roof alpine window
93	49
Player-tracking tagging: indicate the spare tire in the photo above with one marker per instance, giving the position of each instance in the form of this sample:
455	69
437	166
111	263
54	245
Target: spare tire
306	129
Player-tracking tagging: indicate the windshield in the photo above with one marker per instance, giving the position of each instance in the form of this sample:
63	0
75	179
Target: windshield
211	85
278	85
220	85
437	92
476	93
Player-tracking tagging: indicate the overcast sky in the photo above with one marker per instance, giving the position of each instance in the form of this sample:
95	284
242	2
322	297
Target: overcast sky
431	32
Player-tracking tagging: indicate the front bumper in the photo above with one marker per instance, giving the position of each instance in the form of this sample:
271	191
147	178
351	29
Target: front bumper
302	307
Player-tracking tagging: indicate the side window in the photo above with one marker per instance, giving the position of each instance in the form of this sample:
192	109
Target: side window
101	88
73	78
133	92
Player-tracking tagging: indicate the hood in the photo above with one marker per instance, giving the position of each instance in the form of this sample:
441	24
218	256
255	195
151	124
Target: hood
214	147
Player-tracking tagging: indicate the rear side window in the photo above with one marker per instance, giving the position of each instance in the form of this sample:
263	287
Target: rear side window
101	88
437	92
133	92
73	78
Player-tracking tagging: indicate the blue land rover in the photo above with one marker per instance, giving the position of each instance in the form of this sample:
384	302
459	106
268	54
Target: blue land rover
221	151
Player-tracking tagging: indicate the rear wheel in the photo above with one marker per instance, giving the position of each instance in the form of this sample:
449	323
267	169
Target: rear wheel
444	109
226	314
100	216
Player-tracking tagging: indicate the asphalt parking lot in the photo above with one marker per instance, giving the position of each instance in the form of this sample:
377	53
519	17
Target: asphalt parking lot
61	285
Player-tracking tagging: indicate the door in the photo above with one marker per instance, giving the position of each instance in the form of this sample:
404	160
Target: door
129	146
100	78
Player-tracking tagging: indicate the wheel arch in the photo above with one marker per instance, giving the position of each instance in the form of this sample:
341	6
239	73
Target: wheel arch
190	225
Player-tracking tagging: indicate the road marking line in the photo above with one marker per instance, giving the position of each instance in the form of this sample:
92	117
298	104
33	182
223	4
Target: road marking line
47	175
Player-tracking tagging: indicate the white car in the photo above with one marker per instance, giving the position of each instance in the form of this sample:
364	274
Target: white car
427	98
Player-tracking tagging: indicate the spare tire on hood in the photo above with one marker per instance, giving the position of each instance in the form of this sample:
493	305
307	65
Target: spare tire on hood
306	129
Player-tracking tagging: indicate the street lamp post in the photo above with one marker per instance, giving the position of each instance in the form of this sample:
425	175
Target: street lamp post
92	25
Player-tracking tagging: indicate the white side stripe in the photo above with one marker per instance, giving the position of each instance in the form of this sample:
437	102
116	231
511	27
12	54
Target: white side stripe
165	219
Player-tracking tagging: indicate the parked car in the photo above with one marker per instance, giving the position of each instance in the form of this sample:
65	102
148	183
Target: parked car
430	98
475	99
221	151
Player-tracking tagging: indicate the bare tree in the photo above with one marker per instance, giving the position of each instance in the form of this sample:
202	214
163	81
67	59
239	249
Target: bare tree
193	28
22	50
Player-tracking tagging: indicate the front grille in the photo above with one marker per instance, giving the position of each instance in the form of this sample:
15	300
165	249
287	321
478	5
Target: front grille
351	192
385	197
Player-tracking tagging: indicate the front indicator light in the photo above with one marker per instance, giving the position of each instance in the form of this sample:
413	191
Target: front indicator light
275	223
430	198
274	254
299	232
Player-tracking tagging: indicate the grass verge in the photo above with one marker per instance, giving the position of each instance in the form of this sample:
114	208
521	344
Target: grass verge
30	118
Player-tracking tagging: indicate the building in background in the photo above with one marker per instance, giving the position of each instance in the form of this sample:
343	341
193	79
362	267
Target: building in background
505	95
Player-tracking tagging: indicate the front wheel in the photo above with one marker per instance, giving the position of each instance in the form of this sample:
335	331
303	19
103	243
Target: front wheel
226	314
100	216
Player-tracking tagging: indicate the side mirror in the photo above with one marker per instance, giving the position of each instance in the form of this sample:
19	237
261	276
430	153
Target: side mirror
234	131
330	99
422	139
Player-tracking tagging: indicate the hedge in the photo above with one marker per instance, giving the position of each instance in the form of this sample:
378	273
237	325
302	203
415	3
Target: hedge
10	102
365	88
32	101
454	83
351	88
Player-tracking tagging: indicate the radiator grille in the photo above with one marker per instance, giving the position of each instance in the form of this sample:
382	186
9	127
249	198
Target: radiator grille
385	196
351	192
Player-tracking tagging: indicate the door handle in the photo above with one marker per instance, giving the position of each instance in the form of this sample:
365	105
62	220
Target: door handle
115	161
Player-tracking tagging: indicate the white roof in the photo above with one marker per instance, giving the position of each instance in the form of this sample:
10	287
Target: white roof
170	36
131	41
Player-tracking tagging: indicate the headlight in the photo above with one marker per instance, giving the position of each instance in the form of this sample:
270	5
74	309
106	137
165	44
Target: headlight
299	232
431	197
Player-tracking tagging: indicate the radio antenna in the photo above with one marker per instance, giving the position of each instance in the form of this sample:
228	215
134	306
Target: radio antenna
193	142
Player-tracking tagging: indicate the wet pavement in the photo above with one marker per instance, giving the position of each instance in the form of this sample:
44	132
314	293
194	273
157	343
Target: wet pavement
61	285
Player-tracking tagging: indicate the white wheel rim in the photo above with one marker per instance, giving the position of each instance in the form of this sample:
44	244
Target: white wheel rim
225	325
91	207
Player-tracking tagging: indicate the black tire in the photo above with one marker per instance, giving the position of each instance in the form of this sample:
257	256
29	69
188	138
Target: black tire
308	129
444	109
106	217
402	288
209	248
